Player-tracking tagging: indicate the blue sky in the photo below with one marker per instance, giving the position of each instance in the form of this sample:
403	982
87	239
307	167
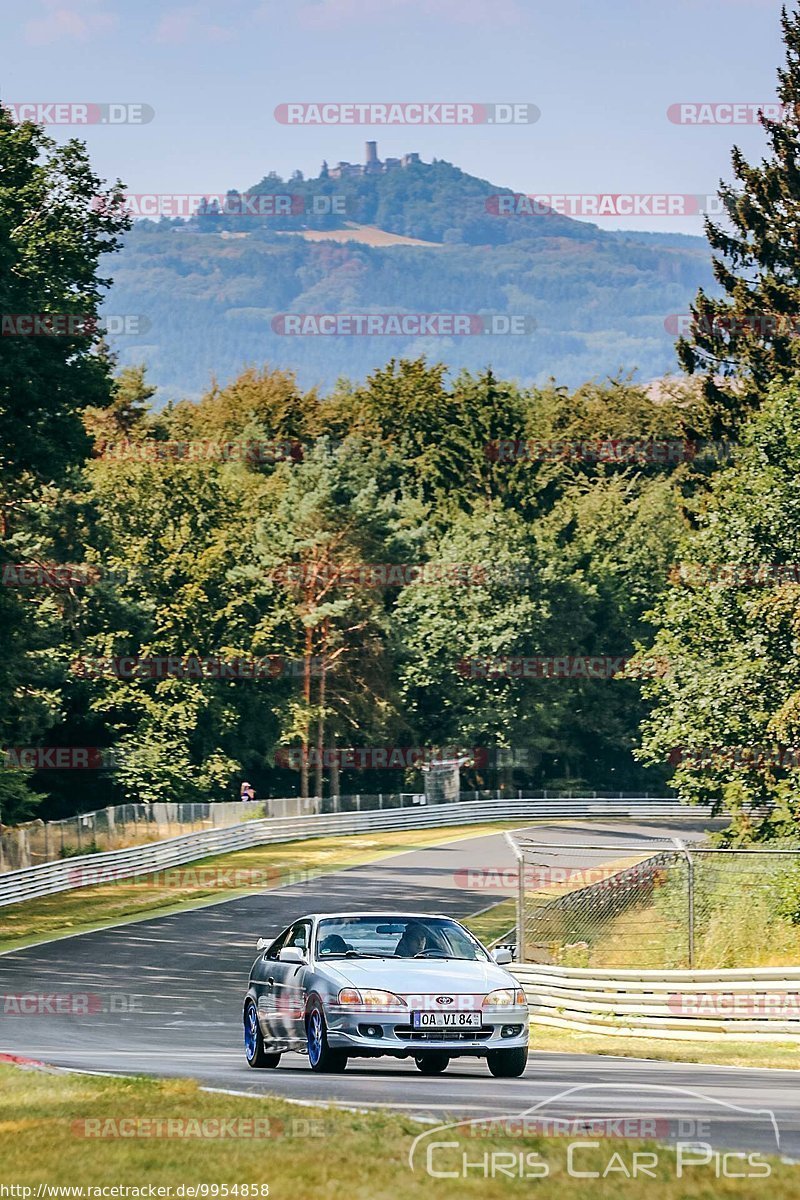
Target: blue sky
603	76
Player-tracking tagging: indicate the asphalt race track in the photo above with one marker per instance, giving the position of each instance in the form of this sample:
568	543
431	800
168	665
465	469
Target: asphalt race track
164	997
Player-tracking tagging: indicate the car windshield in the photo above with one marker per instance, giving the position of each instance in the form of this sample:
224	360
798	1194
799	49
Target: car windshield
396	937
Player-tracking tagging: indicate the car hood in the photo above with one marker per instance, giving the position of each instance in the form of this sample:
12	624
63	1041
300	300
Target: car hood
419	975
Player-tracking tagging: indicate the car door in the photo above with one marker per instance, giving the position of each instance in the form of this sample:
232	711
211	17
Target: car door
294	980
266	996
285	986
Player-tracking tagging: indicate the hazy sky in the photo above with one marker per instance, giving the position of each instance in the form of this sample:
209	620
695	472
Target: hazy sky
602	74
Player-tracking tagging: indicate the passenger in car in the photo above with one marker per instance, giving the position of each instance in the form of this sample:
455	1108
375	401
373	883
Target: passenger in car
334	943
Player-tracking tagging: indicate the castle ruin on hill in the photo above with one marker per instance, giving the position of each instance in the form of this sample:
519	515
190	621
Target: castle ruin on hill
372	165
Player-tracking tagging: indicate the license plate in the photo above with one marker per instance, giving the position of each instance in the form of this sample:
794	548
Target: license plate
446	1020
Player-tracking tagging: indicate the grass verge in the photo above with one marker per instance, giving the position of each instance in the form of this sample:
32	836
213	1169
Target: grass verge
207	881
303	1151
495	922
764	932
650	938
781	1055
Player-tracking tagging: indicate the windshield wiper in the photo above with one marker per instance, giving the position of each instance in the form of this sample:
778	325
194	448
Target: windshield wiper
351	954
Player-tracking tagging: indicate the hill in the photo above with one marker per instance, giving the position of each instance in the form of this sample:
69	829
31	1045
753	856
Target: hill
423	238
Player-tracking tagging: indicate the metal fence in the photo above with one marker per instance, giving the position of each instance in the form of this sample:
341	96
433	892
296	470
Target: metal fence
47	878
631	903
129	825
135	824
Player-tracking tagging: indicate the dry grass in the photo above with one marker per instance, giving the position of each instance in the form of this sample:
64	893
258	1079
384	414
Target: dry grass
368	235
741	931
309	1153
779	1055
495	923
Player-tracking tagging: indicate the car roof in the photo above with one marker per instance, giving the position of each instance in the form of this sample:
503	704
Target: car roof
374	912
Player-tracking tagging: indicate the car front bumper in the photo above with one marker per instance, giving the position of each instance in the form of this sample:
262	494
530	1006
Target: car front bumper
379	1031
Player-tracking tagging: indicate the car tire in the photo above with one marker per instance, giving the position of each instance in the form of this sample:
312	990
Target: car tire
508	1064
320	1055
432	1064
254	1050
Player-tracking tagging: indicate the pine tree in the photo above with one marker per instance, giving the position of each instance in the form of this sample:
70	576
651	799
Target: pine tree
746	339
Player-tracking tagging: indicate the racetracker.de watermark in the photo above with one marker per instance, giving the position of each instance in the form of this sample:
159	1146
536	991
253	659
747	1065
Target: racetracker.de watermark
535	876
183	878
604	204
735	575
213	1129
763	325
740	757
378	758
192	666
61	576
69	576
591	450
387	575
727	112
765	1006
402	324
77	325
58	758
68	1004
596	666
71	112
225	204
203	450
407	112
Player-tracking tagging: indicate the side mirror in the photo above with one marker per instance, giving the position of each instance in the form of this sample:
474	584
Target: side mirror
502	956
292	954
262	944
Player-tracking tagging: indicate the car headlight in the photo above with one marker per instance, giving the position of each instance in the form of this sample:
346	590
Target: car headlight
505	997
371	998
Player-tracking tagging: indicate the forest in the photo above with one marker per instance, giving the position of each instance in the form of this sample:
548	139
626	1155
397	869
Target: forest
319	589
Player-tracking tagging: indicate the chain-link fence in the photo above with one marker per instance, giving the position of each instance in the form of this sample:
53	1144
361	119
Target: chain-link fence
643	905
132	824
112	829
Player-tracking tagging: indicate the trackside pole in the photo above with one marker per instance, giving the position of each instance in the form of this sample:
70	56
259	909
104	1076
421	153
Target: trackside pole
683	849
520	897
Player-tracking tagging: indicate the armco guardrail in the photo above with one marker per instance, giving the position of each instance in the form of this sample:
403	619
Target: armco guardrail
66	874
738	1004
119	826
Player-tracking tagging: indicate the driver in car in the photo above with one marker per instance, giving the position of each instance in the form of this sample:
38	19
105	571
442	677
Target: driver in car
413	941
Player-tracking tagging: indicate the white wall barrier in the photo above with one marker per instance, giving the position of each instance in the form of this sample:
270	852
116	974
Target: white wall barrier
47	878
739	1004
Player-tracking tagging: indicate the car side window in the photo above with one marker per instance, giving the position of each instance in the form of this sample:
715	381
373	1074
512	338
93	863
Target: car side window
274	950
299	936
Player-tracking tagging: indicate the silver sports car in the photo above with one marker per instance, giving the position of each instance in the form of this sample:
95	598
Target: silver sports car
367	984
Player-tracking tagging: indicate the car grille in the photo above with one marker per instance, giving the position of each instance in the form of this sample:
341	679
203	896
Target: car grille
408	1034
